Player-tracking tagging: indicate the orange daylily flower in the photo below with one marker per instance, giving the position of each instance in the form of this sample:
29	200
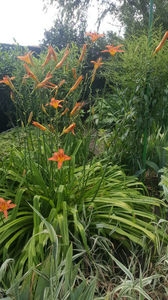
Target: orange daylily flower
70	128
161	43
97	64
112	50
37	124
45	81
83	53
30	74
5	205
56	103
7	80
94	36
27	58
65	111
77	107
51	54
60	157
59	65
76	84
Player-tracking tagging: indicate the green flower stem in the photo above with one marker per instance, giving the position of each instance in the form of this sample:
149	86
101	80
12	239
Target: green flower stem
148	93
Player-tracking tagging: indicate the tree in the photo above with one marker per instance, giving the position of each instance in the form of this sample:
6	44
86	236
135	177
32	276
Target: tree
63	33
133	14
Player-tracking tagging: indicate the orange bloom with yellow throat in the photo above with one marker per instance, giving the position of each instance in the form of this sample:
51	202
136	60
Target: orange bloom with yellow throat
94	36
55	103
60	157
113	50
5	205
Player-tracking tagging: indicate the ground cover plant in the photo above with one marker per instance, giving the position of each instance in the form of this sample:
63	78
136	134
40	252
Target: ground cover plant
71	205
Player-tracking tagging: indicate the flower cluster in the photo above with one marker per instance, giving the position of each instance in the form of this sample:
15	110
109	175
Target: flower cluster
55	103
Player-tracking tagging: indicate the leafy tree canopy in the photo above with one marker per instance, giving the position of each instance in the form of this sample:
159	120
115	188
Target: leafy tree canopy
133	14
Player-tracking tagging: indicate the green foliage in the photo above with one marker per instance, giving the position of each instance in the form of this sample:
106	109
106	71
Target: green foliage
135	98
77	200
135	15
69	212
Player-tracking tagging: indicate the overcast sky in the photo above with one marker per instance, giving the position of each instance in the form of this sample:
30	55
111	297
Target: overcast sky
25	21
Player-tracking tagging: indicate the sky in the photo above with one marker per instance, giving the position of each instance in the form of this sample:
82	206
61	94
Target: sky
25	21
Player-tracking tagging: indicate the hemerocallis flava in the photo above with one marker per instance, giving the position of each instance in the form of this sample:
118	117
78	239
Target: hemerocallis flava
113	50
60	157
37	124
5	205
27	58
94	36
